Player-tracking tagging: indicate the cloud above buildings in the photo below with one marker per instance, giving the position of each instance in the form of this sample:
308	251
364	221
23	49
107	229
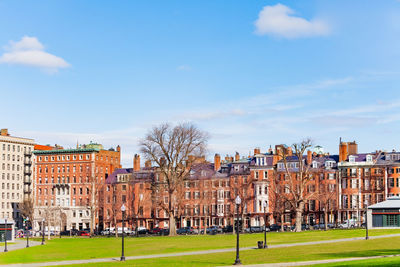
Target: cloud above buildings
30	52
279	21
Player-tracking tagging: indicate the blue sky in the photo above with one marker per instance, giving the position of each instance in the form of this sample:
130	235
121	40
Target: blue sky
251	73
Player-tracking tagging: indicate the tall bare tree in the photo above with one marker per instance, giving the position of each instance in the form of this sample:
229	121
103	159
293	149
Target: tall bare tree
26	209
297	177
241	186
96	184
326	196
169	147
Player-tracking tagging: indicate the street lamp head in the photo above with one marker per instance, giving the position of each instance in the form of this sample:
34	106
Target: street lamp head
123	208
238	200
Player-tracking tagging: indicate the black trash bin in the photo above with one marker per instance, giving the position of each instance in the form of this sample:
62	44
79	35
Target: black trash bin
260	244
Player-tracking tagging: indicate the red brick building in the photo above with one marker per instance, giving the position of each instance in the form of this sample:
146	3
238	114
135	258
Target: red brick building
69	182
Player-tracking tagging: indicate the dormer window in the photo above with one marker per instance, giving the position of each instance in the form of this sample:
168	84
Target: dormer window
329	164
315	164
369	158
352	159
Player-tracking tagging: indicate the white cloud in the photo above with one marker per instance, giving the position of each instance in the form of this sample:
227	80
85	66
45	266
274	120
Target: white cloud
279	21
30	52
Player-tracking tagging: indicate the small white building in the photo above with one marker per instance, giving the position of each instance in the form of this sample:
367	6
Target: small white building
385	214
7	230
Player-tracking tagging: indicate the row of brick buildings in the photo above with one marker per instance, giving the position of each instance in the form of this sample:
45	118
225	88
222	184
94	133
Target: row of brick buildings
85	187
339	186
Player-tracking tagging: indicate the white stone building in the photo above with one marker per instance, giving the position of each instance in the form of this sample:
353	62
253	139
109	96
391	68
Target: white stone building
15	174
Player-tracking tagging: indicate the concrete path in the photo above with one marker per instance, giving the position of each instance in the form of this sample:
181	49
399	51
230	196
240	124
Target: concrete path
19	244
202	252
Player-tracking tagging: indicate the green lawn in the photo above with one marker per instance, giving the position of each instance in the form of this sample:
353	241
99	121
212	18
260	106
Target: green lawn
389	261
361	248
88	248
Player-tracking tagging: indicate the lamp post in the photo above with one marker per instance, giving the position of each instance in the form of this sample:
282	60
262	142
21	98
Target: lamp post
366	220
27	231
265	224
5	235
43	231
238	201
123	209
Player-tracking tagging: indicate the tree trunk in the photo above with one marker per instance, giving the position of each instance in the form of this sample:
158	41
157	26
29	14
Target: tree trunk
282	218
48	231
299	214
172	226
326	220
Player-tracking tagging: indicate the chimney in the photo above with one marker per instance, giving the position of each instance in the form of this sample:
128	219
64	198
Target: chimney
256	150
270	150
289	151
309	157
237	156
147	163
118	148
136	162
4	132
217	162
353	148
343	151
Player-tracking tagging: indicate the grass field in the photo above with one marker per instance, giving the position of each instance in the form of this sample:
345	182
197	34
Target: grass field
89	248
361	248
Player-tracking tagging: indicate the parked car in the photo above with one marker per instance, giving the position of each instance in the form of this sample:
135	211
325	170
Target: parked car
255	229
165	231
214	230
348	224
74	232
227	229
66	232
185	230
305	227
155	231
142	230
83	233
274	228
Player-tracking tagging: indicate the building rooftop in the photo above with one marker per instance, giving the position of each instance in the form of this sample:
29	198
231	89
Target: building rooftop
64	151
390	203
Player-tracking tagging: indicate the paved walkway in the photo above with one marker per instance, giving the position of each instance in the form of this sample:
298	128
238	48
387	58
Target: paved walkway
19	244
202	252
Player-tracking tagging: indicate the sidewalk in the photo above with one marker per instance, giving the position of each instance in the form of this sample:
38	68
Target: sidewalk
19	244
202	252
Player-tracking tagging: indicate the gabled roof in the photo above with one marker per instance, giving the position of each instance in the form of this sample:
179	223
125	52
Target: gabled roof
390	203
112	178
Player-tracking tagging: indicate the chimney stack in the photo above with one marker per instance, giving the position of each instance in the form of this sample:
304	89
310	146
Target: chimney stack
136	162
4	132
217	162
257	151
309	157
237	156
343	153
118	148
353	148
147	163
